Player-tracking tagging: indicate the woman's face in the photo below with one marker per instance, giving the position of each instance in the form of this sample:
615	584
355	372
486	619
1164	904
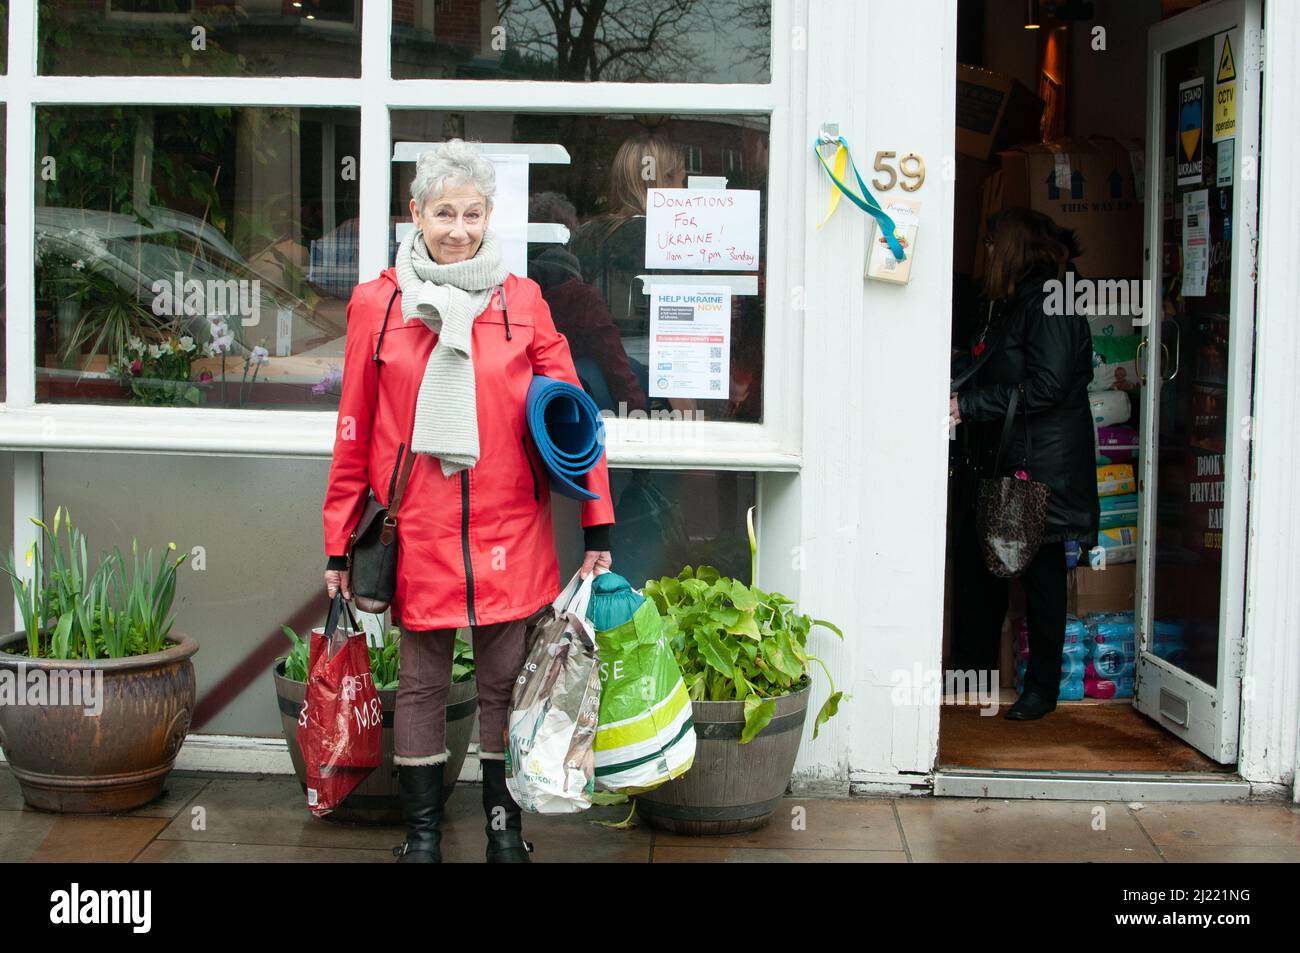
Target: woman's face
453	223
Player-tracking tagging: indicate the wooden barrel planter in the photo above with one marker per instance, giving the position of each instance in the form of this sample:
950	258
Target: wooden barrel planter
72	758
375	800
731	788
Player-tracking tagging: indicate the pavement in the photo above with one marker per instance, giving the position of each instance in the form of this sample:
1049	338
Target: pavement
208	817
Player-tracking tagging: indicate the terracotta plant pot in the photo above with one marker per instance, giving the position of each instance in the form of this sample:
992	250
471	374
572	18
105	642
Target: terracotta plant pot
731	787
70	759
374	800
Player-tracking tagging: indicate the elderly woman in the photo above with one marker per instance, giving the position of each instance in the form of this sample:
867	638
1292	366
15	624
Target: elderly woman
440	352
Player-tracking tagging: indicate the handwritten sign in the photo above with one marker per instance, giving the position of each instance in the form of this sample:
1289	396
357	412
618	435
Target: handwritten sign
702	229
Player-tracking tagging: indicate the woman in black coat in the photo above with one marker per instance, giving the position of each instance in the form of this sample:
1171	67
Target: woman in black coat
1049	358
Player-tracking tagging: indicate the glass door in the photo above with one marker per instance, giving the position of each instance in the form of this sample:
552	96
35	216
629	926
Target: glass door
1195	362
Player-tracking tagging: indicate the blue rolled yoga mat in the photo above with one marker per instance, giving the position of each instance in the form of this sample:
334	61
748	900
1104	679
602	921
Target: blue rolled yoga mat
569	433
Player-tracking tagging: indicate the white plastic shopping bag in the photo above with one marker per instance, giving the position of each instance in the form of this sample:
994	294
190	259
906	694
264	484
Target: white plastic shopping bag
550	764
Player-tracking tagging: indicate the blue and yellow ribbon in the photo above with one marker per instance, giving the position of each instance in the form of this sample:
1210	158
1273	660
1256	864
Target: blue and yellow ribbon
865	201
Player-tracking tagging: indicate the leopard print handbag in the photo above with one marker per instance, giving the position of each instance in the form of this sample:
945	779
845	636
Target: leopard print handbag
1011	511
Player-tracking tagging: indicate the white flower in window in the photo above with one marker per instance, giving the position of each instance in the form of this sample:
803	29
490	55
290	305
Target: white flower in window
186	343
260	355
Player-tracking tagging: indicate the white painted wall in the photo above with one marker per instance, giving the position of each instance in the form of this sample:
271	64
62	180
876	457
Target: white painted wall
871	495
1270	734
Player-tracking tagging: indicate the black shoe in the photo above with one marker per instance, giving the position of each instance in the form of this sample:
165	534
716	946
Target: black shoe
505	843
420	791
1031	705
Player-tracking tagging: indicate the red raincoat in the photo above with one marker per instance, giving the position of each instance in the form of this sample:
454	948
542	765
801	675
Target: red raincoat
477	547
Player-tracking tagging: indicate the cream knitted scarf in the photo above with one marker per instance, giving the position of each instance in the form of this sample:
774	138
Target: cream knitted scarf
447	298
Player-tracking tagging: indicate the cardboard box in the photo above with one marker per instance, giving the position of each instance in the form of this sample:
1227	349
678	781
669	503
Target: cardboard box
1086	185
994	111
1112	589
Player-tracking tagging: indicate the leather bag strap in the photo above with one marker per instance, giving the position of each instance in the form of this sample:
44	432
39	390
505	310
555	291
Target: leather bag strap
405	456
1007	422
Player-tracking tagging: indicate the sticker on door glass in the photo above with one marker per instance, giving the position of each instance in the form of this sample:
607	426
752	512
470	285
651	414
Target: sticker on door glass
1191	123
1196	242
1225	87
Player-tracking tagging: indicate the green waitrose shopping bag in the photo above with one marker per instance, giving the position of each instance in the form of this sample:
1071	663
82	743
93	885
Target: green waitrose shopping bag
645	734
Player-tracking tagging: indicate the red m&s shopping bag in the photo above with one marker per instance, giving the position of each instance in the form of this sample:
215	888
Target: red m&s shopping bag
340	726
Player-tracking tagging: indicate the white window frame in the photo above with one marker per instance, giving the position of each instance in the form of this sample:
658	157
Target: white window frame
773	444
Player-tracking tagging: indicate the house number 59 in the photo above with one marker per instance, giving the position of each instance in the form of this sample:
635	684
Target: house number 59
910	166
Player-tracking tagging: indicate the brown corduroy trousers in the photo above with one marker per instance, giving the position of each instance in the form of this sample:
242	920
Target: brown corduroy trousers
424	680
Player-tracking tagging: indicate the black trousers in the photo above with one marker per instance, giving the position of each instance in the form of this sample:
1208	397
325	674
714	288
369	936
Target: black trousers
980	607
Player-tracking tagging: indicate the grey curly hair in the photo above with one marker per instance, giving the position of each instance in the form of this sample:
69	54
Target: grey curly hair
450	164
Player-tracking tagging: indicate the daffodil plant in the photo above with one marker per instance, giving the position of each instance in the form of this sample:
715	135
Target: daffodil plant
737	642
71	613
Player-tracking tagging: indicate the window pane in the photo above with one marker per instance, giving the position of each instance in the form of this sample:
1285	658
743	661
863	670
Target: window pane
253	568
194	256
200	38
679	41
594	286
667	519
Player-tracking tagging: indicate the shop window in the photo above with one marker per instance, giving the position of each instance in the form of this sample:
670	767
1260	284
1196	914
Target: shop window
194	257
597	284
667	519
677	41
230	600
199	38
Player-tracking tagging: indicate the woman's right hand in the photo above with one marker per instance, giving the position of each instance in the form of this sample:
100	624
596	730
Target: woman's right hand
336	580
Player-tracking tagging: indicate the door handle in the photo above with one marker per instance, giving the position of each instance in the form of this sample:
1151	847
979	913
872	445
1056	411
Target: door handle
1178	350
1164	349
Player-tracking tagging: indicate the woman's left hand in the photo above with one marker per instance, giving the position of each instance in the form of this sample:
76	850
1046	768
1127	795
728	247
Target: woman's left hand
593	560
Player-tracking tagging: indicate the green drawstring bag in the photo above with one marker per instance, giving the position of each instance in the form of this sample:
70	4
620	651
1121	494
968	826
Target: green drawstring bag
645	734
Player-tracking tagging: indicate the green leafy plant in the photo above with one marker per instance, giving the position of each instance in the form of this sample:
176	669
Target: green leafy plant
71	613
383	659
737	642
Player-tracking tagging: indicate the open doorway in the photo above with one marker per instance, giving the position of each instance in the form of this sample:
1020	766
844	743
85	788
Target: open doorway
1054	115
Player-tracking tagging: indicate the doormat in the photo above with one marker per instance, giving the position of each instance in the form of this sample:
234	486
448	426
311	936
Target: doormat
1100	737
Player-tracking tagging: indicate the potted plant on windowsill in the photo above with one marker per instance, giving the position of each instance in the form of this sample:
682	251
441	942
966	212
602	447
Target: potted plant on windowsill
96	692
375	800
742	653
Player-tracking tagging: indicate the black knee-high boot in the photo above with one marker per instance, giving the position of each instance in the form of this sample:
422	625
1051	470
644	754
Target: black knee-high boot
505	842
420	791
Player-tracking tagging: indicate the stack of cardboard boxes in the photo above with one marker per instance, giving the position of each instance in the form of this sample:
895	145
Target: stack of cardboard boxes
1112	589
